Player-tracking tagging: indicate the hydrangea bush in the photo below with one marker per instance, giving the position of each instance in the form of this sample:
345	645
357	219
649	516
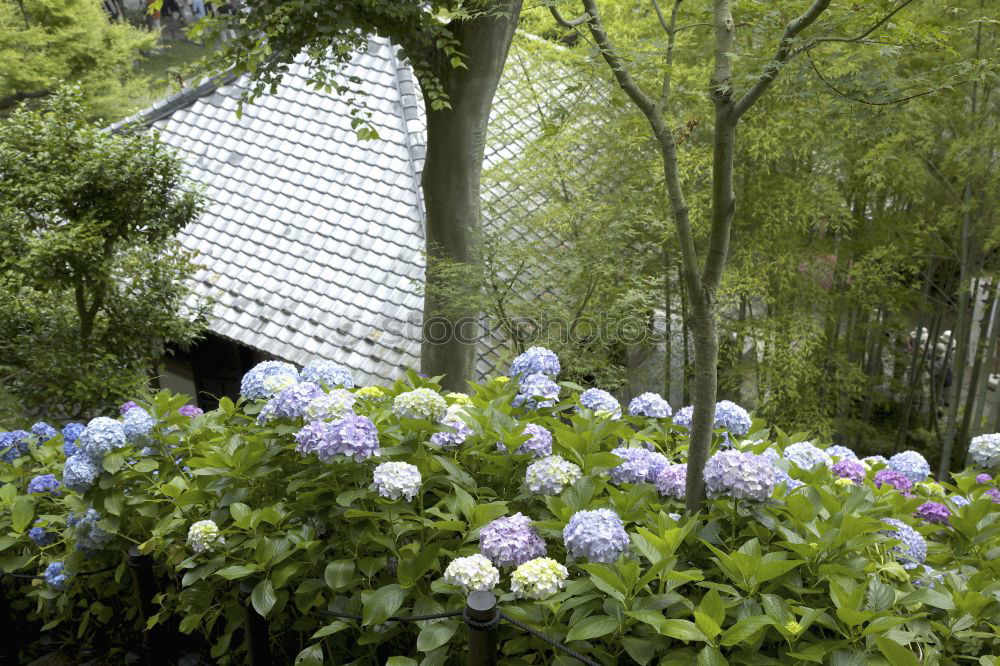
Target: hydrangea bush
398	500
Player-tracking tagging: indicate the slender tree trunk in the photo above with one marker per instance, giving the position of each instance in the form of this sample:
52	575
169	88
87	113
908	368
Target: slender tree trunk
977	387
456	140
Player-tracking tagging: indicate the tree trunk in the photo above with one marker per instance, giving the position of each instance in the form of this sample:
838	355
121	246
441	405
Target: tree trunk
456	139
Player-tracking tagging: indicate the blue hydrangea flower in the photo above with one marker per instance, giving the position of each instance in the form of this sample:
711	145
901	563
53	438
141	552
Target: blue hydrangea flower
683	416
451	440
639	465
137	424
42	537
539	442
279	374
842	452
510	541
601	402
650	405
43	432
290	403
985	450
395	480
89	537
672	481
910	464
71	433
781	476
327	373
806	456
102	436
732	417
912	551
14	444
597	536
44	483
336	404
79	472
739	475
959	500
537	360
536	391
421	403
55	576
551	475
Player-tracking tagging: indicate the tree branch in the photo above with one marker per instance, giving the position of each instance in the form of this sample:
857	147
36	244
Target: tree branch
875	26
14	98
671	29
615	62
572	23
781	56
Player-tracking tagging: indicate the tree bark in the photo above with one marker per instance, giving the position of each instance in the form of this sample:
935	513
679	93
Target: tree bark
456	139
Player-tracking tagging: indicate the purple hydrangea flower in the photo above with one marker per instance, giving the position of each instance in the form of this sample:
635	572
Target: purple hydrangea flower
893	478
599	400
985	450
277	375
732	417
539	442
44	483
451	440
639	465
912	552
291	403
190	411
80	472
55	575
984	478
511	541
849	468
536	391
838	451
650	405
672	481
137	424
598	535
127	407
312	437
42	537
806	456
739	475
352	436
536	360
102	436
911	464
994	494
13	445
933	512
327	373
43	432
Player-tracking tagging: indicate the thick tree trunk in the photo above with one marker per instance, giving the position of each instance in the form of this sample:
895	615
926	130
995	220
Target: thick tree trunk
456	139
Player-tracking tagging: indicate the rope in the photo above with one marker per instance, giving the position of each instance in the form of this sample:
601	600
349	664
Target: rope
554	643
482	625
411	618
34	577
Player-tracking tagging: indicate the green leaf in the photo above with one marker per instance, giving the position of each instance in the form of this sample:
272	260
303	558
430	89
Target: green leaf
594	626
641	650
881	625
707	625
684	630
235	571
745	630
773	569
146	465
332	628
435	635
712	606
241	514
382	603
339	573
400	661
21	513
311	656
263	597
710	656
896	653
113	462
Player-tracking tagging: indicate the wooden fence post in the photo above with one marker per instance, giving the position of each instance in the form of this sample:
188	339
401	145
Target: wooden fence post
482	617
144	585
258	641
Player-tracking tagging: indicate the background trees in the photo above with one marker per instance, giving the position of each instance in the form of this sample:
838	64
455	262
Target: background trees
94	281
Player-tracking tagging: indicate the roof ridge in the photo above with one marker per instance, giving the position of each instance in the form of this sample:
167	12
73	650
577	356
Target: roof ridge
165	107
416	144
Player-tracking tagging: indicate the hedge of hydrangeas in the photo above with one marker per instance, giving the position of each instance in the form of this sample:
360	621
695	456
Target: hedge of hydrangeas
380	501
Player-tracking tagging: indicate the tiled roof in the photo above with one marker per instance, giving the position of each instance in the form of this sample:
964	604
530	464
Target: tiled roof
312	240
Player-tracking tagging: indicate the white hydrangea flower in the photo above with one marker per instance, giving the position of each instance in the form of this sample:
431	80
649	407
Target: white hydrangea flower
393	480
551	475
985	450
474	572
203	535
539	578
421	403
333	405
276	383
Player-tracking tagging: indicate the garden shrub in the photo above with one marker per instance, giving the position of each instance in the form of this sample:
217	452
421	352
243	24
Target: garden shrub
382	501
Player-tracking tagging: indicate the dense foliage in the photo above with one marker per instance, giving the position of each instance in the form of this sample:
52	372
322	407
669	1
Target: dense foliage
94	281
373	501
